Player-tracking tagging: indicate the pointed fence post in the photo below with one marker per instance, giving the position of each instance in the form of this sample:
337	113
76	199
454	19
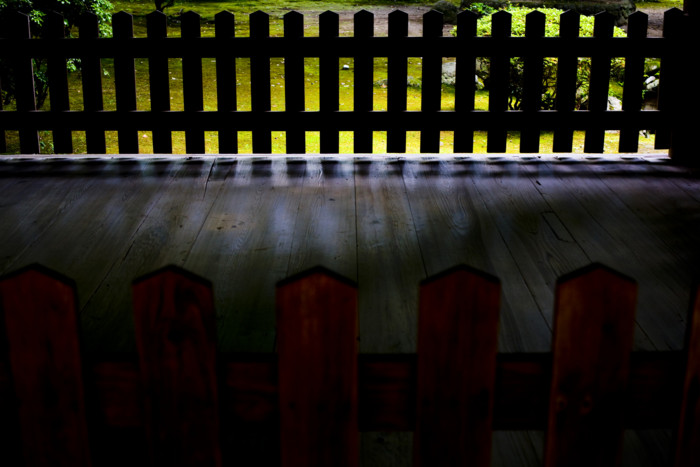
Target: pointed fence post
260	97
431	82
363	95
688	437
500	79
397	76
464	87
226	100
192	83
92	82
159	80
25	94
329	77
125	83
592	343
176	338
58	84
44	355
317	346
457	346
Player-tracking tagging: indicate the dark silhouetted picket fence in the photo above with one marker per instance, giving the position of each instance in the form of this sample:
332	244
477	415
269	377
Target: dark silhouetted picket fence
316	393
672	128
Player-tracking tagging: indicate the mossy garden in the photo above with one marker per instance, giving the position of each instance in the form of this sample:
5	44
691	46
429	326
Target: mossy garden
311	9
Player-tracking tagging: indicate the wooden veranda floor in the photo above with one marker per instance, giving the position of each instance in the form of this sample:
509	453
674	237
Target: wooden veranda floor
385	222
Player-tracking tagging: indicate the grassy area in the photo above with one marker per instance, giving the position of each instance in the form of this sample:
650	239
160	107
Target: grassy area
241	9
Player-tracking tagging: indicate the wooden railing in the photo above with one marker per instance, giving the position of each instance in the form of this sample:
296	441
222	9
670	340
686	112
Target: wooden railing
180	402
672	128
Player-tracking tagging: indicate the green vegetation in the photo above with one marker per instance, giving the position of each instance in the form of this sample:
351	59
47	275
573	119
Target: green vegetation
207	10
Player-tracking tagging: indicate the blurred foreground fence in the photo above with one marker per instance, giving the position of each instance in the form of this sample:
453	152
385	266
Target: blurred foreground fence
670	122
180	403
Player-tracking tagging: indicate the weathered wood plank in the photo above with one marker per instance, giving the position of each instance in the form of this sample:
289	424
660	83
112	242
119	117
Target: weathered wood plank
317	346
566	81
176	338
325	228
465	219
40	322
456	370
226	98
24	78
58	84
125	82
246	242
362	94
192	83
260	81
500	79
599	83
431	82
464	88
294	99
159	81
92	84
532	82
634	81
397	76
591	348
329	77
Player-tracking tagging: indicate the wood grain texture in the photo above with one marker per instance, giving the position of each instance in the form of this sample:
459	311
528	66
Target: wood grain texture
594	322
39	310
176	339
457	346
317	346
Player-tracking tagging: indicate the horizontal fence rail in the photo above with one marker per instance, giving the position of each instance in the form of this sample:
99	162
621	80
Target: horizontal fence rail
179	403
229	51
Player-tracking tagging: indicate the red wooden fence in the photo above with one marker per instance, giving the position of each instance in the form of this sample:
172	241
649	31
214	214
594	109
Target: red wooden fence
669	121
180	402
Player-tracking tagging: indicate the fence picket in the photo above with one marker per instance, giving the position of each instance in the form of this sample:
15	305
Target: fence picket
594	140
58	84
688	436
3	143
431	81
364	69
499	77
125	82
260	81
634	81
397	76
317	346
329	79
567	65
159	81
44	355
192	84
532	82
294	83
457	346
92	83
24	85
592	344
175	330
465	86
226	99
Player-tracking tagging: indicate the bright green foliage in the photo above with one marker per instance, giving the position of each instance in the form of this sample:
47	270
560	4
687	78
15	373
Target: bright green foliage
517	64
37	11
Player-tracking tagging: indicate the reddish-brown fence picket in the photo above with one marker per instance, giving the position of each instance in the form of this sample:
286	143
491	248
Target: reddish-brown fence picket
182	404
668	121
